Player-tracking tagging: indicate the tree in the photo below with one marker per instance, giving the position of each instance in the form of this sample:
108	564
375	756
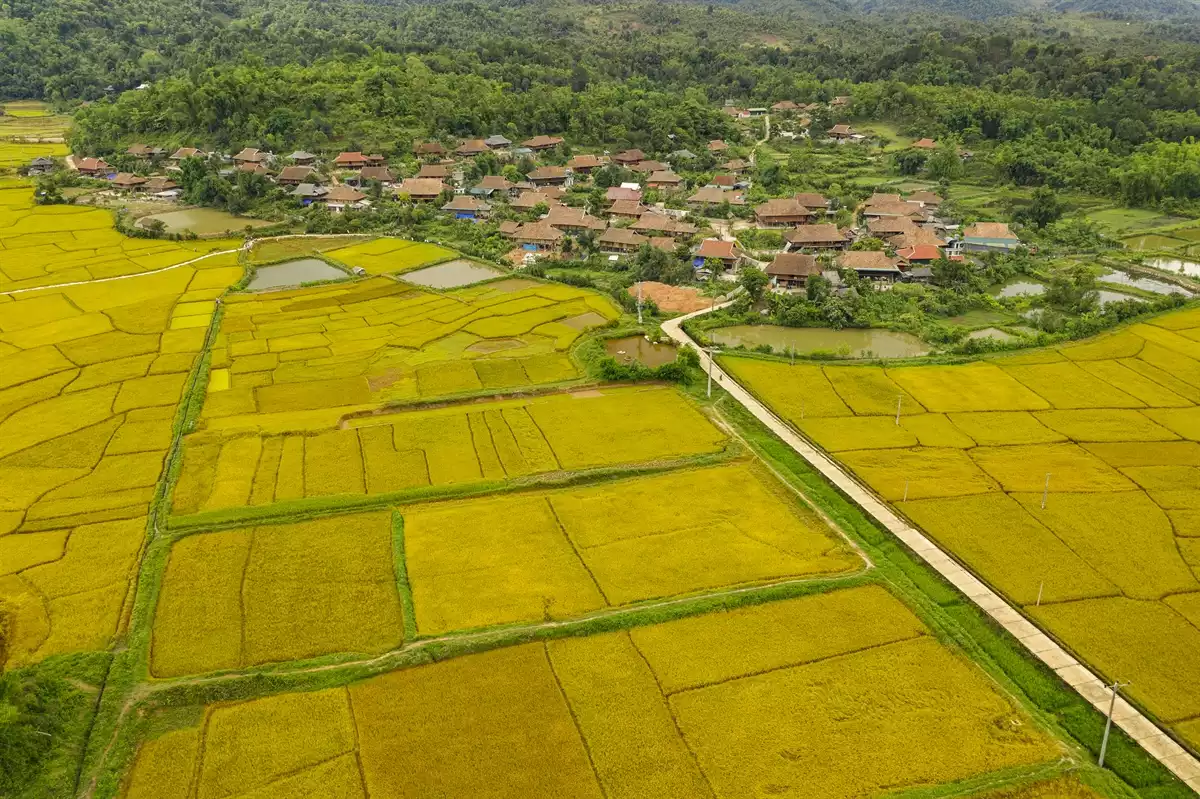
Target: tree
945	163
1072	290
910	162
754	281
32	710
1044	209
817	288
950	274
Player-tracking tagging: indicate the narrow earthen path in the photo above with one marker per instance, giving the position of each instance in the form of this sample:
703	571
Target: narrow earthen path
1158	744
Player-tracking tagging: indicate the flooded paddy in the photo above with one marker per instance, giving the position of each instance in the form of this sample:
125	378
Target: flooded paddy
451	275
859	342
294	273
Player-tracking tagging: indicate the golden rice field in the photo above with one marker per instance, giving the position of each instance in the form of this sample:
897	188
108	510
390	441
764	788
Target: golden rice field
14	154
552	555
57	244
354	346
1112	423
451	445
90	379
390	256
266	251
708	706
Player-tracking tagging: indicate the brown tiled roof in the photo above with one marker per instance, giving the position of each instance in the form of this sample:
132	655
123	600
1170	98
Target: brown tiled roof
663	243
627	208
344	194
724	181
883	199
917	237
92	164
925	144
428	148
529	199
295	173
620	235
867	259
251	154
815	234
920	252
548	173
650	167
841	130
542	142
463	202
664	177
494	183
715	248
629	157
926	197
257	169
785	105
422	187
128	179
563	216
186	152
380	173
349	159
784	206
472	147
433	171
735	165
989	230
509	228
710	195
617	193
585	161
650	221
793	264
811	199
891	225
538	231
717	145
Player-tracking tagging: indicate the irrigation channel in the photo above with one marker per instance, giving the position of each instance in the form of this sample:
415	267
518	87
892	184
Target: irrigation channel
1146	733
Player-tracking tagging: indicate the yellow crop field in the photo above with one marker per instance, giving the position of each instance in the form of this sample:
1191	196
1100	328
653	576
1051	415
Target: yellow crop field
360	344
444	446
518	558
795	392
287	592
1104	433
92	375
390	256
602	716
1061	788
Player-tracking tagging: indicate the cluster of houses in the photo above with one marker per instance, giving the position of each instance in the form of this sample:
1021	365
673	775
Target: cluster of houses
908	226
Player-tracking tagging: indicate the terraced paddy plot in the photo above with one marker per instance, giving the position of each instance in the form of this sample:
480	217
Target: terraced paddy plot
1082	486
457	444
598	716
559	554
293	273
287	592
390	256
452	275
56	244
14	154
359	344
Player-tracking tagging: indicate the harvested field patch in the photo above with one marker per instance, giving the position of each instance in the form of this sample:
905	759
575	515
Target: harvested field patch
673	299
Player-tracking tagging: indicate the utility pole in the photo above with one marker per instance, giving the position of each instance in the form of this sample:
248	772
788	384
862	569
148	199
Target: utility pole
1045	490
639	301
899	399
1112	705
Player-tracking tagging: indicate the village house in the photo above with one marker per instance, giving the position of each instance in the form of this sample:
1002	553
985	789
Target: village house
464	207
538	237
162	188
302	158
295	175
471	148
434	171
650	167
187	152
989	237
735	112
726	252
784	106
621	240
916	237
428	149
615	193
664	180
584	164
422	190
308	193
792	269
629	157
816	237
509	228
841	101
626	209
528	200
254	169
572	220
497	142
783	212
350	161
145	151
664	243
737	166
882	205
927	199
382	174
651	222
924	144
538	143
549	176
813	201
886	227
251	155
841	133
919	254
40	166
127	181
723	181
870	264
93	167
490	185
717	146
710	197
339	198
